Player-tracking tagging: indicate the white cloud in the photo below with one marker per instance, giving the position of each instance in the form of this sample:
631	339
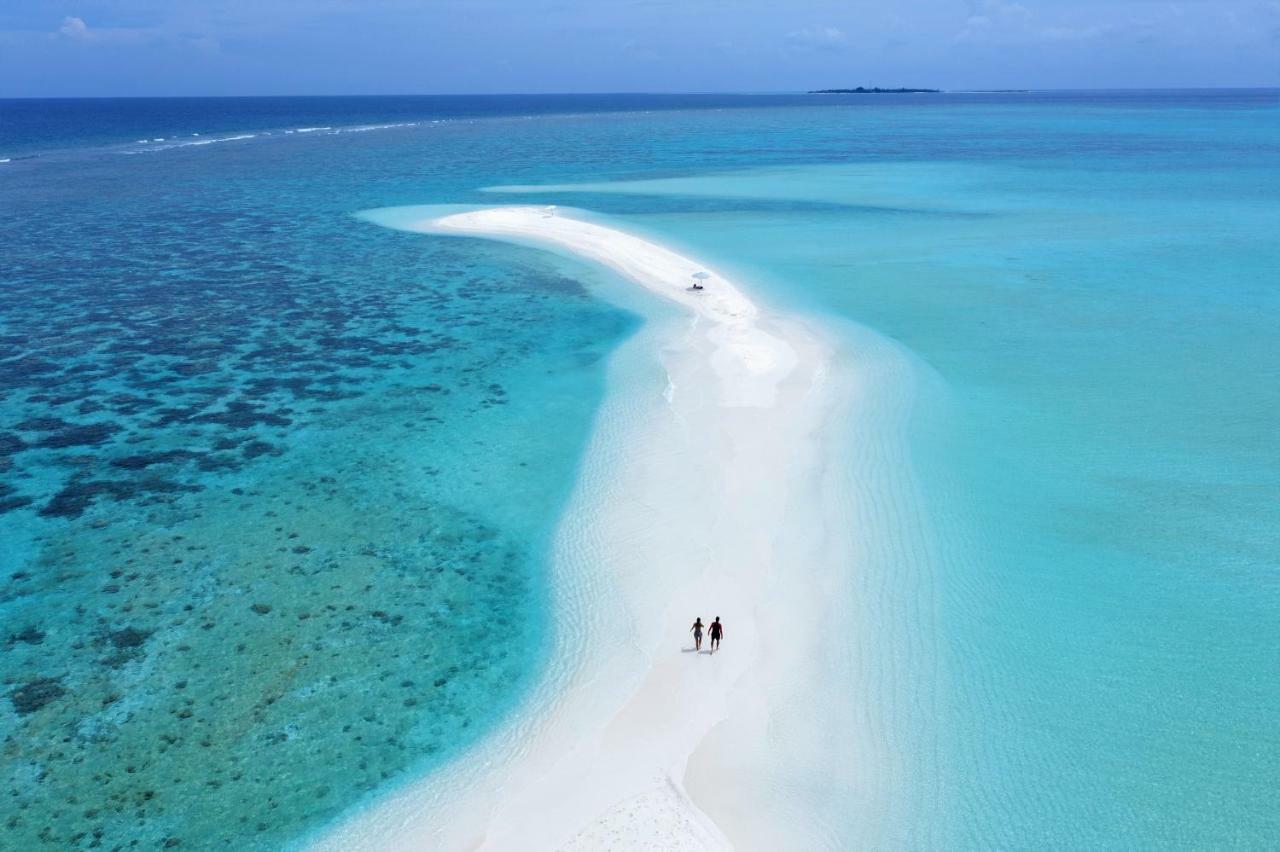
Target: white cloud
818	38
1000	22
75	29
1075	33
994	20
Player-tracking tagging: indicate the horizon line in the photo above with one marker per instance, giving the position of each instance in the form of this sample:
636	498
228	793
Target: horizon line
636	93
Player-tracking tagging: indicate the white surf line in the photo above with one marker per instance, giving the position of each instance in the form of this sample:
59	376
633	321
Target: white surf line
706	500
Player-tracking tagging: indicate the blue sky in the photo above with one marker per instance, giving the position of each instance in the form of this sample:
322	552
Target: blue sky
173	47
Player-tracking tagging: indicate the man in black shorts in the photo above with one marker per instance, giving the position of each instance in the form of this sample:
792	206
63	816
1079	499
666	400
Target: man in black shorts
717	630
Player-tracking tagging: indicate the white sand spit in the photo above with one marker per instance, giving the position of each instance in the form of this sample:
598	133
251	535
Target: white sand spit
715	499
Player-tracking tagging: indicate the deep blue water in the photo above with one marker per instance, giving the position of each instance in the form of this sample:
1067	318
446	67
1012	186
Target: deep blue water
276	484
44	126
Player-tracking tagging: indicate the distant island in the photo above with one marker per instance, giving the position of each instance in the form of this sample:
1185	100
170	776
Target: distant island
862	90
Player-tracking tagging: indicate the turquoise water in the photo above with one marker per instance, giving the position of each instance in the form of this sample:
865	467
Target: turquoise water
1099	474
277	483
278	487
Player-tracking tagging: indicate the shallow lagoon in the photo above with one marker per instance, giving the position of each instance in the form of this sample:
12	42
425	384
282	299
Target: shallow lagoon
1079	566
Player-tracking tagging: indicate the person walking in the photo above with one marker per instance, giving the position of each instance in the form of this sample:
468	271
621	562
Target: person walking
696	629
717	630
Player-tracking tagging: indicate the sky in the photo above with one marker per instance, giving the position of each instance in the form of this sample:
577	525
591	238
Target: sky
58	48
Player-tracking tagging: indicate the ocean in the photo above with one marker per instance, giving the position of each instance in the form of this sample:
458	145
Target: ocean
278	486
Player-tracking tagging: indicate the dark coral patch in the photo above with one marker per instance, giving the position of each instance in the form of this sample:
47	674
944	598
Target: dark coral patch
79	493
10	499
254	449
145	460
128	404
129	637
218	464
30	634
44	424
89	435
169	415
9	504
30	367
34	694
243	415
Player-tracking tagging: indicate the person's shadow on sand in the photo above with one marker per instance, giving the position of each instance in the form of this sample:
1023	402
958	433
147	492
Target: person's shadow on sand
694	651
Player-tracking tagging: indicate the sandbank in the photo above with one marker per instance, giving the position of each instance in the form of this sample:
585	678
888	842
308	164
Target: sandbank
709	487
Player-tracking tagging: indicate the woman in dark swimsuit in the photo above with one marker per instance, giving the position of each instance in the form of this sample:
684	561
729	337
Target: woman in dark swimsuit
717	630
696	629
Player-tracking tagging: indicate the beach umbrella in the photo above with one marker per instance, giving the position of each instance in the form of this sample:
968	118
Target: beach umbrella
699	277
548	211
